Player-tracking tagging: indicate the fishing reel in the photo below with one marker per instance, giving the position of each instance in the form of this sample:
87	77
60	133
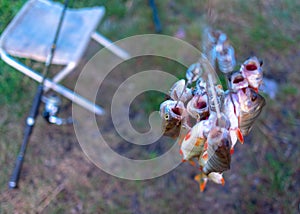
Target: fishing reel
51	110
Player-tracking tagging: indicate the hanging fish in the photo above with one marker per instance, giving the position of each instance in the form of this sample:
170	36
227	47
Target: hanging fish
222	117
231	108
238	81
198	107
252	71
219	97
251	105
219	145
216	177
200	87
173	114
225	58
212	41
193	72
193	144
202	179
179	91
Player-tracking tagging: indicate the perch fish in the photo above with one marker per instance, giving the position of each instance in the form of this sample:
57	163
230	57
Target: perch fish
173	114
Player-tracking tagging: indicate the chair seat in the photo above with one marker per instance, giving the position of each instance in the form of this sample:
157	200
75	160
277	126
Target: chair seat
31	33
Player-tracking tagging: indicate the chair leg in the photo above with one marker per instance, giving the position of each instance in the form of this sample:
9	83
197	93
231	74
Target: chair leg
62	74
110	46
51	84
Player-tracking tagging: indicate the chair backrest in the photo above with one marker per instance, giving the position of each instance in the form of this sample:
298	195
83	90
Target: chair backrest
31	32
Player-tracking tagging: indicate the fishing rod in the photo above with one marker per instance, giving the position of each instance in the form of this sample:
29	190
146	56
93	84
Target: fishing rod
157	25
30	121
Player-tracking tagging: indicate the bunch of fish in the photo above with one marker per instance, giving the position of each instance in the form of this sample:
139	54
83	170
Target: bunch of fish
208	121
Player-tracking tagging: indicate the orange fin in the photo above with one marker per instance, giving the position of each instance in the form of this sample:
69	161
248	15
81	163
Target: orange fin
232	151
205	145
188	135
222	181
205	156
192	163
203	185
180	152
202	182
240	136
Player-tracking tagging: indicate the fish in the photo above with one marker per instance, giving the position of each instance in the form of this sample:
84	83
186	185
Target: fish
213	40
193	72
225	58
173	114
192	145
202	179
198	107
205	160
218	150
251	105
179	91
219	97
231	108
252	71
200	87
238	81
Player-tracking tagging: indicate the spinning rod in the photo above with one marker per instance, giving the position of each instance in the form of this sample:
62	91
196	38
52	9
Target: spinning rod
30	121
157	25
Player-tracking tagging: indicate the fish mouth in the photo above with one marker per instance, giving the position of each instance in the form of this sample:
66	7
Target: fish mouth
251	66
201	104
177	111
238	79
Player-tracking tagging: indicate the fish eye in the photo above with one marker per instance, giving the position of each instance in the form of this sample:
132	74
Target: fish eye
261	62
253	97
166	116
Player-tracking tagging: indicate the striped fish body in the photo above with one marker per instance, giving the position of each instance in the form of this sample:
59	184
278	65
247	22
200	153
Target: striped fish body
251	105
193	144
219	145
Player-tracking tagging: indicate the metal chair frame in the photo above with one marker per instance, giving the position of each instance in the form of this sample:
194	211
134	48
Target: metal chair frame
12	59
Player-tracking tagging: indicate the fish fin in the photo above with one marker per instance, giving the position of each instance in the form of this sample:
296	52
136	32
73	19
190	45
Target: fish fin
216	177
232	151
180	152
222	181
180	142
205	145
188	135
203	185
205	156
192	163
197	178
183	160
202	182
240	135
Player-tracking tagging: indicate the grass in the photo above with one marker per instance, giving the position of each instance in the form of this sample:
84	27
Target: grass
265	172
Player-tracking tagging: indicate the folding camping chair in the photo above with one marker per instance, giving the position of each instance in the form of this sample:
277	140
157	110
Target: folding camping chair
30	34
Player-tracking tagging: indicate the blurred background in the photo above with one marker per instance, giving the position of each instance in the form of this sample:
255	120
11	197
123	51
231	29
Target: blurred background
265	172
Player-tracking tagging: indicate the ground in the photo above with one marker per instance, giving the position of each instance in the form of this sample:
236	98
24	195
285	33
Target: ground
264	177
